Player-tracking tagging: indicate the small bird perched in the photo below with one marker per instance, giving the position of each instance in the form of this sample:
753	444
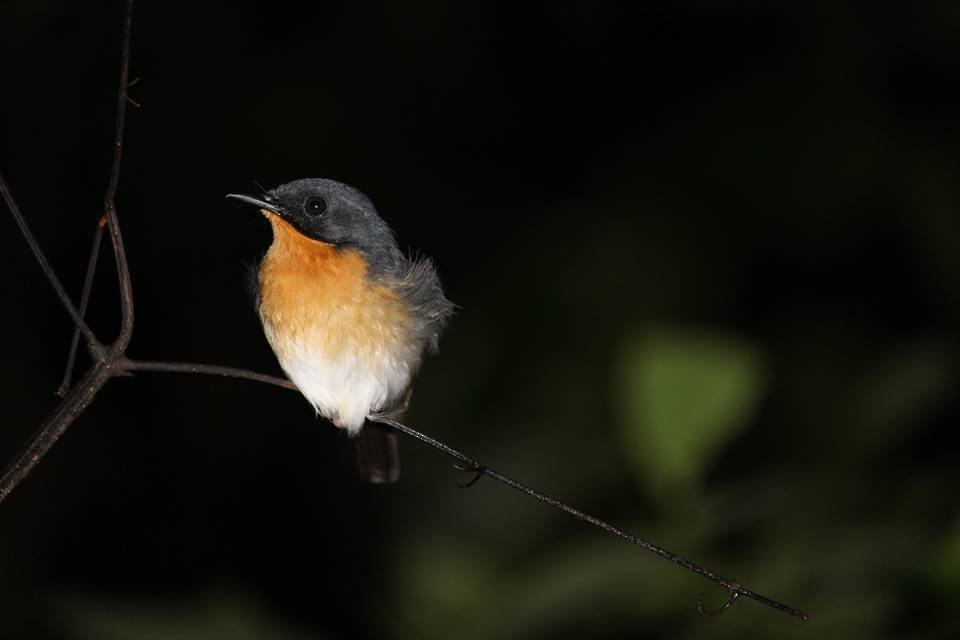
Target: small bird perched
347	314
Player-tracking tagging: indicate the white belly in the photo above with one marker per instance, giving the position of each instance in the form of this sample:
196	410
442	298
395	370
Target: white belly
346	388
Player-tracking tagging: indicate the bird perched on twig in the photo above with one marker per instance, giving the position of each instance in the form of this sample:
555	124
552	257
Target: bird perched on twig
347	314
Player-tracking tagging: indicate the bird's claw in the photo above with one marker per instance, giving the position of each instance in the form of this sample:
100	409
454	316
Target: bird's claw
473	468
734	594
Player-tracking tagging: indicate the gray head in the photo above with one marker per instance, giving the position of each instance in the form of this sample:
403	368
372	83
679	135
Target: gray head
334	213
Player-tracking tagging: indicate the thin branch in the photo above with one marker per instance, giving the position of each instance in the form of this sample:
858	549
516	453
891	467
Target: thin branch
468	464
109	204
48	269
465	463
122	98
189	367
84	301
107	359
731	598
79	398
53	427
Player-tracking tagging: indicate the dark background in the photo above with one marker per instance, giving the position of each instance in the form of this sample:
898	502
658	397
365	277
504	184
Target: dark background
707	257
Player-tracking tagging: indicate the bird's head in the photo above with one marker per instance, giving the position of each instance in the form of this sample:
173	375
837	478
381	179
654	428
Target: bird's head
333	213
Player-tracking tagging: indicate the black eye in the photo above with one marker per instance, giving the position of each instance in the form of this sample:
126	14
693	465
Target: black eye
315	206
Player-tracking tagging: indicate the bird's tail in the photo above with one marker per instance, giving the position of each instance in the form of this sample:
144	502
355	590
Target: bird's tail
378	459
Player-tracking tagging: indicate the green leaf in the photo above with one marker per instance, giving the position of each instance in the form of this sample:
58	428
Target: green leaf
684	396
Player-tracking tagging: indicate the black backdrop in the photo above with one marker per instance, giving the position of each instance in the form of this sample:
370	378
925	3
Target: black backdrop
582	174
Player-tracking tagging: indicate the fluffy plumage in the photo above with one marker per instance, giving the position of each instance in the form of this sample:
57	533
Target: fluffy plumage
350	343
346	312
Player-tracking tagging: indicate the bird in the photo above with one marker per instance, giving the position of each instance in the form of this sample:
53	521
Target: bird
348	315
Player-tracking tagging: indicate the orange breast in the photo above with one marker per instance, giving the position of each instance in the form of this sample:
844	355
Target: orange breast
317	298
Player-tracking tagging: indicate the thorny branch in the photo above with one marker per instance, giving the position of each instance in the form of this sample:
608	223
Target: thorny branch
110	361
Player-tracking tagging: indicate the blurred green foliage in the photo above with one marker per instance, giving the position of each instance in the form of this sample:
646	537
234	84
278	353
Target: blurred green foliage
684	397
206	616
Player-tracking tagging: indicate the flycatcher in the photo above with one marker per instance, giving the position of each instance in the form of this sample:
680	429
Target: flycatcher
347	313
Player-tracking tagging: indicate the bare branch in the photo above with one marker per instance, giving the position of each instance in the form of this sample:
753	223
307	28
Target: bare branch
465	463
53	427
109	204
188	367
731	598
84	301
122	99
108	359
47	268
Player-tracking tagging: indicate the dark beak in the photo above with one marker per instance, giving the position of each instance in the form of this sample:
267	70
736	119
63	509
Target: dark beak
262	204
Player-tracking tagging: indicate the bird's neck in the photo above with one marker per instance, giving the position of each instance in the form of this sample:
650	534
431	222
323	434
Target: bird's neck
293	248
306	273
318	299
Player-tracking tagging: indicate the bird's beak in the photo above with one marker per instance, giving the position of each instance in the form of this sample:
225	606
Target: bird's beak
262	204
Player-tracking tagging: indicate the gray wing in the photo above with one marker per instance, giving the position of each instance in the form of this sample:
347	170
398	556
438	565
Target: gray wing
420	286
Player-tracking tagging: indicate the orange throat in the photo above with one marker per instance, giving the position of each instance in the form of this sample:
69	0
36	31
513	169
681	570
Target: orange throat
305	284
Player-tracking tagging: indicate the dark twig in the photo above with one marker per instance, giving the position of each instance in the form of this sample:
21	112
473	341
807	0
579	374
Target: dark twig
84	301
476	471
187	367
108	360
53	427
47	268
112	361
734	594
468	464
109	204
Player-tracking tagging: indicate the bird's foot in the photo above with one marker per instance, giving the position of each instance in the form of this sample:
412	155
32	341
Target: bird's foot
469	467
